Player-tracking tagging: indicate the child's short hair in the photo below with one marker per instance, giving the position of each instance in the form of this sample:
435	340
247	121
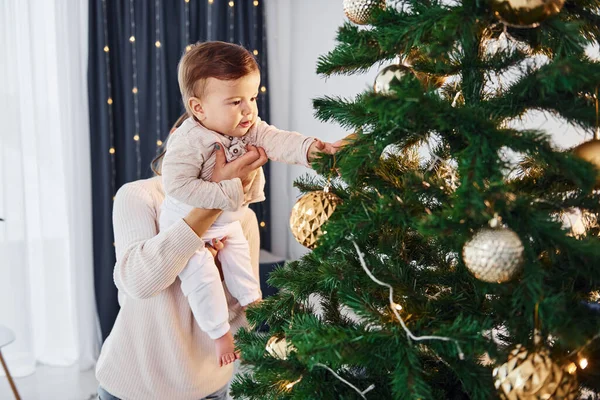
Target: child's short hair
221	60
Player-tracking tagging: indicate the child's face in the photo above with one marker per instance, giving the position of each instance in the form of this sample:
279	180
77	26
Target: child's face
229	107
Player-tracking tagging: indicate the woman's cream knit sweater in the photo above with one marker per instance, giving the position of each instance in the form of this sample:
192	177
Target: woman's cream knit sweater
155	349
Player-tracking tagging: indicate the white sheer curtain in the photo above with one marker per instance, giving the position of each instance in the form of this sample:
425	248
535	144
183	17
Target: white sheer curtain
46	273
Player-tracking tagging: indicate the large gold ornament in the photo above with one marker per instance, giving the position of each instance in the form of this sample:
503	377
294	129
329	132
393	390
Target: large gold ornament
310	212
360	11
279	348
534	376
525	13
385	76
494	254
590	152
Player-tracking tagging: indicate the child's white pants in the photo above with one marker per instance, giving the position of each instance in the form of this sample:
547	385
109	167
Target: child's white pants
200	280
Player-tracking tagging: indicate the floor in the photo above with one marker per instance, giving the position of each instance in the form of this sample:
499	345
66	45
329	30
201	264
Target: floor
52	383
49	383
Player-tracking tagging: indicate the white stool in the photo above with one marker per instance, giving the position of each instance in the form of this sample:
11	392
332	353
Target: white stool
7	337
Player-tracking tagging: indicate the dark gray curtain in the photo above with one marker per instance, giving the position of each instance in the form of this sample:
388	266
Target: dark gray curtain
134	99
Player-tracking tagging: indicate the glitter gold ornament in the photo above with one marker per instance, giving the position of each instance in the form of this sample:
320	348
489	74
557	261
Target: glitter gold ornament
360	11
525	13
279	348
310	212
590	152
534	375
494	254
385	76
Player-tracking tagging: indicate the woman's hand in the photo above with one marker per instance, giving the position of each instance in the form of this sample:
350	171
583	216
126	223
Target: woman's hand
242	168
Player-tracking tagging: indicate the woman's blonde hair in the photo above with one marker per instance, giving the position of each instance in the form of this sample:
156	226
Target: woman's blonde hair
156	164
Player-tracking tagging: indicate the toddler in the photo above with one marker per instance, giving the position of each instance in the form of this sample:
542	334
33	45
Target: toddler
219	83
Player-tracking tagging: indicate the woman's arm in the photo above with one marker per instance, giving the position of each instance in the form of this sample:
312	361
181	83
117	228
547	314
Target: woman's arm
148	261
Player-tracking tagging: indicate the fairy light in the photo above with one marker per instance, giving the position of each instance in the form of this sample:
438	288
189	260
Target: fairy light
262	224
209	23
290	385
397	306
134	91
255	52
109	101
255	3
231	18
263	89
583	363
186	16
409	334
158	75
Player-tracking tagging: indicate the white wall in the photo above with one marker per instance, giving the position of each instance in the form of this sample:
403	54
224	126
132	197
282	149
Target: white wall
298	33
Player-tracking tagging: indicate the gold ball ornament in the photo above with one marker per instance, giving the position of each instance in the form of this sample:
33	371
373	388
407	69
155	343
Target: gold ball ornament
279	348
494	254
385	76
525	13
360	11
309	213
534	376
590	152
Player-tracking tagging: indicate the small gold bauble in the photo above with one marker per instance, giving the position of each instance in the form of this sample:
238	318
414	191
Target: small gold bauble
590	152
534	376
360	11
385	76
525	13
494	254
279	348
310	212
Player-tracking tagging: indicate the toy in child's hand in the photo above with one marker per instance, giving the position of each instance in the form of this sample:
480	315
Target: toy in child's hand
236	149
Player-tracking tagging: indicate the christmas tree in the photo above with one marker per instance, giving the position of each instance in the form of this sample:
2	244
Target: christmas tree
446	270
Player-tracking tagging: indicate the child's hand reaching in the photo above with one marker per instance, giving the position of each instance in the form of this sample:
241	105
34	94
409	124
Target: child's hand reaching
320	147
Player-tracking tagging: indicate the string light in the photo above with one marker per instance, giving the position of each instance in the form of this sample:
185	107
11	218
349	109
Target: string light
290	385
231	17
361	393
255	3
263	89
255	52
262	224
209	21
158	75
583	363
186	15
409	334
109	101
136	110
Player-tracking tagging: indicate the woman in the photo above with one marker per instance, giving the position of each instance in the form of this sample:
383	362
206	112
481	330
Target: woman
155	349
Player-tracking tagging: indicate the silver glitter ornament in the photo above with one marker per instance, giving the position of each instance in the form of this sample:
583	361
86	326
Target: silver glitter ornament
360	11
494	254
386	75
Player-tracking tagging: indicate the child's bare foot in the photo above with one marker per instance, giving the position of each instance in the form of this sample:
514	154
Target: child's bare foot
225	349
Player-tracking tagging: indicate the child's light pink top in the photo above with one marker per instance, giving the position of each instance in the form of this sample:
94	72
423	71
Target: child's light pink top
190	160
